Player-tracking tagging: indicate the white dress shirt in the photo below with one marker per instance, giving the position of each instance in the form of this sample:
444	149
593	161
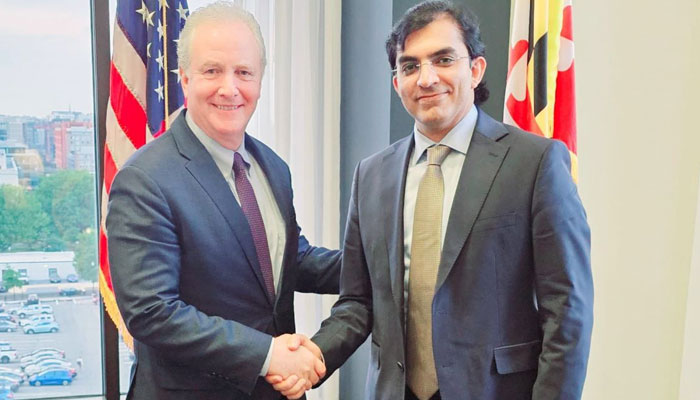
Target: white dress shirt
458	140
271	215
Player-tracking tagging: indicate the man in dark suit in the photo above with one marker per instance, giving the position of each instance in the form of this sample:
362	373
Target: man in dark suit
466	250
204	247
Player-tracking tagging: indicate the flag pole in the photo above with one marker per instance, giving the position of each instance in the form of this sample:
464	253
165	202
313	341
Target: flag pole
164	7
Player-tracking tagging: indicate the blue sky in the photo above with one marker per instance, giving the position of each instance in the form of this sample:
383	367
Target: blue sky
45	56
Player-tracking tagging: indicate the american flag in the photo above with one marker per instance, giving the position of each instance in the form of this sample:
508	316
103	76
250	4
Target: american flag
144	83
540	88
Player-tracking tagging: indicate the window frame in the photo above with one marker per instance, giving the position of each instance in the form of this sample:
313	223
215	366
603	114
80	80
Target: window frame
101	60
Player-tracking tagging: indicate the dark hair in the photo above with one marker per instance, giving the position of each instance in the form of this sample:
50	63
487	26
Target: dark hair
422	14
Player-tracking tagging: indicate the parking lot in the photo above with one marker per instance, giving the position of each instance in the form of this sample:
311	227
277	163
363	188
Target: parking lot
79	336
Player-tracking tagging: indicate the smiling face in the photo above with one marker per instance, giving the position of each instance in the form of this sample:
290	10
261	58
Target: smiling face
437	97
222	82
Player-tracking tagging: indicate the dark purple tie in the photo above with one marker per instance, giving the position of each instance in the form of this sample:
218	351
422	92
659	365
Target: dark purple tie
249	204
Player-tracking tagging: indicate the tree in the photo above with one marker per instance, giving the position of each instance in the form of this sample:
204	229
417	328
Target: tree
68	197
86	255
10	278
23	223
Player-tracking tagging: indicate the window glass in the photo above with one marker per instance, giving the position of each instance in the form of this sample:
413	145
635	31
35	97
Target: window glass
49	319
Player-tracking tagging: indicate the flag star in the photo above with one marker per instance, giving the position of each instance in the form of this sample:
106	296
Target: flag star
159	60
159	90
177	73
182	11
148	50
143	11
145	14
160	30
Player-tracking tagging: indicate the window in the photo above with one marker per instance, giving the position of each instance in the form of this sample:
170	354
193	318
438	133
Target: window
49	320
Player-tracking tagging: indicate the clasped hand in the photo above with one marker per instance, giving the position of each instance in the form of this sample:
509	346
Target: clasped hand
296	365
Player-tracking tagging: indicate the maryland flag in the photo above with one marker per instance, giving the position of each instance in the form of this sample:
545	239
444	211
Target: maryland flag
145	95
540	90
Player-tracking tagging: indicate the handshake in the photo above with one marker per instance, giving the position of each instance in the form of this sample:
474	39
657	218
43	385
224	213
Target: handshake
296	365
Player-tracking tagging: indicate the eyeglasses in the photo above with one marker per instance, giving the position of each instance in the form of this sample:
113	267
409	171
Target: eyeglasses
439	62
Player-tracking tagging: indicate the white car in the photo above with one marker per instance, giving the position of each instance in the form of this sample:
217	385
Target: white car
34	309
32	369
30	358
7	355
36	318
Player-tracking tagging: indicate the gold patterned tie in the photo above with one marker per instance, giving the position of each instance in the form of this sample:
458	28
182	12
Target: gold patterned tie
425	260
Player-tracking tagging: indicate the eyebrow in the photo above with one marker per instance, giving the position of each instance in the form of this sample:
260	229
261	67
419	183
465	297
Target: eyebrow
441	52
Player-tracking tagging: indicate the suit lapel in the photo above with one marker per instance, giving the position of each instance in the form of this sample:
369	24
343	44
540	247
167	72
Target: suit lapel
392	192
483	160
206	173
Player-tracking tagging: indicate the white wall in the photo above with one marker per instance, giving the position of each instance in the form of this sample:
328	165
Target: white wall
637	66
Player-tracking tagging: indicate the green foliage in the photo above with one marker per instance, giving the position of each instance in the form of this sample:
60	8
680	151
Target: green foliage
10	278
51	217
68	197
86	255
24	226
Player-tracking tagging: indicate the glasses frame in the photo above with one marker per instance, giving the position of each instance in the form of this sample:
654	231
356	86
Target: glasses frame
395	71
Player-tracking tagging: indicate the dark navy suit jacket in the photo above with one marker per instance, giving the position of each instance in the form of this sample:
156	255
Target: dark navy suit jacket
186	274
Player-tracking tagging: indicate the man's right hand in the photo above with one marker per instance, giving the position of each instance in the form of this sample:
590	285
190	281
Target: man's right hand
295	366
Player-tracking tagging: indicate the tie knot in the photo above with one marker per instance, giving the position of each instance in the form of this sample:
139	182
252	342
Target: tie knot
239	164
437	154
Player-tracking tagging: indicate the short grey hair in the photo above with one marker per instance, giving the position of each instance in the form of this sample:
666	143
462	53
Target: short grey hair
219	11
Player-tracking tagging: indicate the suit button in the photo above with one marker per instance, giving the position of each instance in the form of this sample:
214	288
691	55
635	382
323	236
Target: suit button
400	365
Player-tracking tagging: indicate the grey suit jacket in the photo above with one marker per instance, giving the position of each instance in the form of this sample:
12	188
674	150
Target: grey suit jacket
512	312
186	274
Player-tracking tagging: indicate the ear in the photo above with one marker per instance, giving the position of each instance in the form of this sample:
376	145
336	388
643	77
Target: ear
478	70
395	82
184	80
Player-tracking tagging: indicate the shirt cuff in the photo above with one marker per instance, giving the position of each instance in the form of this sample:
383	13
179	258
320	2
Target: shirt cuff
266	364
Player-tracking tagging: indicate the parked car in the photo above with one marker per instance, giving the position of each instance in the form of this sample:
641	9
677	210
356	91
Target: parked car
54	278
42	365
36	359
7	326
32	299
18	376
6	394
36	318
9	383
60	353
41	327
71	291
7	317
34	309
52	376
72	278
7	354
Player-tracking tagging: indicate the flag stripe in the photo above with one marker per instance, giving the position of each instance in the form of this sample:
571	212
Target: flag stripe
129	65
540	74
124	103
540	95
120	146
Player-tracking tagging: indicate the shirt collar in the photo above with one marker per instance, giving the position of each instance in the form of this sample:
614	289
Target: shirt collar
222	156
458	138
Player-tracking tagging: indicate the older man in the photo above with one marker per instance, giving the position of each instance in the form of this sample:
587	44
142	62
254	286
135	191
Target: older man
467	248
204	247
